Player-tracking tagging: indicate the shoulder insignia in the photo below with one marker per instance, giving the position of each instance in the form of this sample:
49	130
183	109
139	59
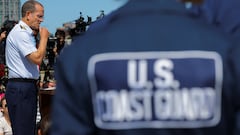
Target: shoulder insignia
22	27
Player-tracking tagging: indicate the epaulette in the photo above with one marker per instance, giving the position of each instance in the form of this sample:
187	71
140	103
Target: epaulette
22	27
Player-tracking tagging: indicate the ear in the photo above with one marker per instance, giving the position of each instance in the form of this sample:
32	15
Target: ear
28	13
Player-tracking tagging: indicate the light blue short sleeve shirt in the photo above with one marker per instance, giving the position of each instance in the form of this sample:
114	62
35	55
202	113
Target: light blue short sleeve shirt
20	43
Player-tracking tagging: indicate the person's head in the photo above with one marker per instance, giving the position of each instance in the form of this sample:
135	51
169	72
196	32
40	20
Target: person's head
3	105
60	35
32	14
44	126
7	26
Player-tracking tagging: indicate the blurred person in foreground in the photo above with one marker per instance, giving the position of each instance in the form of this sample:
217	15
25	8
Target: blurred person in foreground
22	59
148	68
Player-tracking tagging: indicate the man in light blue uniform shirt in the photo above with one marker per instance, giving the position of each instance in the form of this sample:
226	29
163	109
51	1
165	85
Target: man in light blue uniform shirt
21	39
23	56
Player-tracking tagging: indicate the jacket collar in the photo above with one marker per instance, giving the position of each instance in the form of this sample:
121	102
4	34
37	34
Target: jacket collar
157	5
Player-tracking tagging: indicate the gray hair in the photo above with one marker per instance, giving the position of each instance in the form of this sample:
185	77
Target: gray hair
29	6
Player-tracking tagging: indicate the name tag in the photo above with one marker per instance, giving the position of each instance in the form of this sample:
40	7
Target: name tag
180	89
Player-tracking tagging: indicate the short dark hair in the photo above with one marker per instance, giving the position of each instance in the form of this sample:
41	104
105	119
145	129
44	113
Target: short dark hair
8	25
45	124
29	6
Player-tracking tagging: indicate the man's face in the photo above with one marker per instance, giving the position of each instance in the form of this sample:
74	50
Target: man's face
36	17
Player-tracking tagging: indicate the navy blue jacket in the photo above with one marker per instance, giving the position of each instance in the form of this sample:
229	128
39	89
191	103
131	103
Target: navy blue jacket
222	13
148	69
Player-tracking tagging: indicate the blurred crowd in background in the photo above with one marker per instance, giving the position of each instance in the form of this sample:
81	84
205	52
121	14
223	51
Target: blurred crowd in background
57	41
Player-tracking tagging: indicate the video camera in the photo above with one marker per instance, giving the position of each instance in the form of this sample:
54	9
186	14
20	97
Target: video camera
81	25
49	58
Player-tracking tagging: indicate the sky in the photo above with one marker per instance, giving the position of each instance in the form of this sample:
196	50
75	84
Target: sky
58	12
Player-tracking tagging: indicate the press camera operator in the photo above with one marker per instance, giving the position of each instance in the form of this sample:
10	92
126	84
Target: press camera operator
81	26
60	41
5	29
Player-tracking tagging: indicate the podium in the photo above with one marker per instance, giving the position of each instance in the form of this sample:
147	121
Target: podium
46	92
